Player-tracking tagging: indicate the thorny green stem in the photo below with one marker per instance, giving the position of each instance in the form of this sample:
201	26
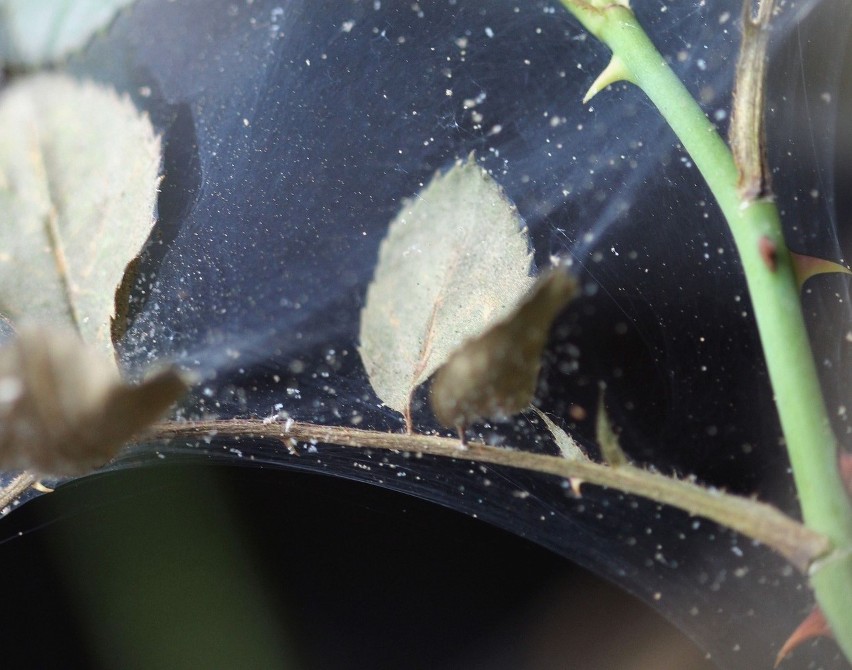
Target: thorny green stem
756	229
762	522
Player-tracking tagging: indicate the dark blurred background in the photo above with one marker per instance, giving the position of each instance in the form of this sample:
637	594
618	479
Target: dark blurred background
214	567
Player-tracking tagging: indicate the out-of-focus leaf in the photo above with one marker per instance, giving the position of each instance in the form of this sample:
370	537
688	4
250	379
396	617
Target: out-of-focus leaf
7	329
455	260
78	183
63	407
36	32
494	374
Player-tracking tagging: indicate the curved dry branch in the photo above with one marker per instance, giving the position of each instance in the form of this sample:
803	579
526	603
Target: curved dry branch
759	521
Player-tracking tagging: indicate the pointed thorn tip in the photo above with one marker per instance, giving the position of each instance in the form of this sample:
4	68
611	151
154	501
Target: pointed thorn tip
614	72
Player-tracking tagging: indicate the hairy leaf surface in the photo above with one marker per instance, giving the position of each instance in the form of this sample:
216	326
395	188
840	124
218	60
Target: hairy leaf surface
456	259
78	183
568	446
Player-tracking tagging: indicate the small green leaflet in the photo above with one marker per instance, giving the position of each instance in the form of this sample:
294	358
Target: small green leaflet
608	443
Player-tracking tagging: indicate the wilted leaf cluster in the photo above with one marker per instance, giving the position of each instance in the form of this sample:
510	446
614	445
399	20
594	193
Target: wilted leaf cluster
79	169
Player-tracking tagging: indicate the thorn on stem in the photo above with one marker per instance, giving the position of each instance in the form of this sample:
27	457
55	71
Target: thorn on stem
575	483
41	488
845	463
813	625
614	72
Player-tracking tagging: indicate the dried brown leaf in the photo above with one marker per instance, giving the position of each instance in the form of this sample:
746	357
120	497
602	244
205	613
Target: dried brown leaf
455	260
63	407
494	374
78	183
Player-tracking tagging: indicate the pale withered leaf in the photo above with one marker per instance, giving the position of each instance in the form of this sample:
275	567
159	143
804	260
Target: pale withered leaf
455	260
64	410
36	32
568	446
494	374
79	171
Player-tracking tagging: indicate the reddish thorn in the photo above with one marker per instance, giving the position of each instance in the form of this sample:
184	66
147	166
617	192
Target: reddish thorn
768	252
845	462
814	625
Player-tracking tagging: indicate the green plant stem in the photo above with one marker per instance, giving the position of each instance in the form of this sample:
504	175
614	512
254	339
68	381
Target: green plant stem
756	228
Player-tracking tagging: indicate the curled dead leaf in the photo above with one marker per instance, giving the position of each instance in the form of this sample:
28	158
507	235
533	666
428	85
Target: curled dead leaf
64	410
494	375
